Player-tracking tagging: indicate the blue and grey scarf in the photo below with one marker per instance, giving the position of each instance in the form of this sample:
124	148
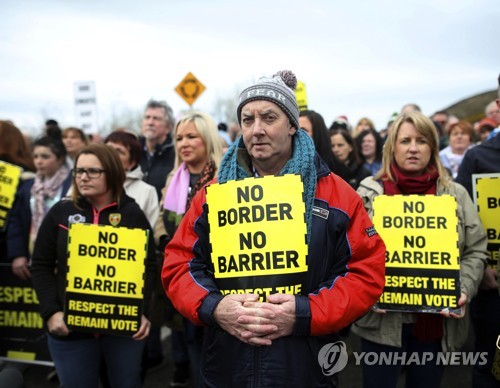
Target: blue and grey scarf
301	162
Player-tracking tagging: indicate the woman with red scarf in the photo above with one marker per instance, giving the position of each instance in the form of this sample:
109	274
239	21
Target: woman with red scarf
411	165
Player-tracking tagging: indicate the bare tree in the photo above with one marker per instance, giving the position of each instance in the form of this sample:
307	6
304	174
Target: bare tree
225	107
122	117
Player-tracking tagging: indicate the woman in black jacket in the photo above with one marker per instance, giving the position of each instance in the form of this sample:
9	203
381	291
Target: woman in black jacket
344	148
97	198
314	124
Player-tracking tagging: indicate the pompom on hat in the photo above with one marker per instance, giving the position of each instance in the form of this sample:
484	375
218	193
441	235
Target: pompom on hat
279	89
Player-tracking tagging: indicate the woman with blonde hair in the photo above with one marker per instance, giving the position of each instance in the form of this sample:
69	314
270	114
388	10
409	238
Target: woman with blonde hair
363	124
425	130
411	165
198	157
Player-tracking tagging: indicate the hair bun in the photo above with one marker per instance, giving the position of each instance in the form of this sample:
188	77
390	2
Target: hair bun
288	78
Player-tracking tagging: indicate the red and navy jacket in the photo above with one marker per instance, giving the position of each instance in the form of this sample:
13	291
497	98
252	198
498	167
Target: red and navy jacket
346	268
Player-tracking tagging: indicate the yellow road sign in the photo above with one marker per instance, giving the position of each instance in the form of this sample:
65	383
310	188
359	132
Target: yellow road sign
190	88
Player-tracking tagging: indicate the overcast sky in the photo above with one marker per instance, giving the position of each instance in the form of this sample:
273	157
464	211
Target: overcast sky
356	58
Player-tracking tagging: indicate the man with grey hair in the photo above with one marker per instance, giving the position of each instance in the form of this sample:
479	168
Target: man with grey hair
410	107
157	144
492	111
157	160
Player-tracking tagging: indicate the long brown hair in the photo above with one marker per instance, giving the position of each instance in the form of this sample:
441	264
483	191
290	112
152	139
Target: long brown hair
13	147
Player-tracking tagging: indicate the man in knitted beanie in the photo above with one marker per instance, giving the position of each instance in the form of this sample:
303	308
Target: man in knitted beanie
280	89
271	312
270	107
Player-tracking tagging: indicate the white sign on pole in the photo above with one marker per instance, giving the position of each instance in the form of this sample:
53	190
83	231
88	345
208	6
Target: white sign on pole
86	106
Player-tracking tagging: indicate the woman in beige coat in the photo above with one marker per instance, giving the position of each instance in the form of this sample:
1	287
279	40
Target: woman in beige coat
411	165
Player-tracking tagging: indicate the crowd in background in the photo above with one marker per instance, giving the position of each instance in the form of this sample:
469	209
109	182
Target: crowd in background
161	169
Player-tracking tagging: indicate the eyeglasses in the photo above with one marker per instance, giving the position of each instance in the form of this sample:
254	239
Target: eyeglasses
92	173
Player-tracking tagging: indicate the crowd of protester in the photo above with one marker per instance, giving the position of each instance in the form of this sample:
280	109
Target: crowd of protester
151	178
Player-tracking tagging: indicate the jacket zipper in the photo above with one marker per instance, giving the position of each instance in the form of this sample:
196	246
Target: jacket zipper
97	213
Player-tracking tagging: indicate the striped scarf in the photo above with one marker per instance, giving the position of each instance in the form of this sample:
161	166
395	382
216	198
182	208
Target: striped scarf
43	189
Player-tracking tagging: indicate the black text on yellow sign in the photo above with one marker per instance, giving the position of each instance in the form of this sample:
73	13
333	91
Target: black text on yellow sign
422	289
16	312
264	292
486	189
422	259
105	278
9	180
22	332
190	88
253	230
301	95
112	315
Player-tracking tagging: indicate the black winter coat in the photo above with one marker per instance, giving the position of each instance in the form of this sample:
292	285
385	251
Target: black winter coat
49	259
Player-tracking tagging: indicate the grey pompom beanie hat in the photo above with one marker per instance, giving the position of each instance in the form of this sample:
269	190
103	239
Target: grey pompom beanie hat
280	89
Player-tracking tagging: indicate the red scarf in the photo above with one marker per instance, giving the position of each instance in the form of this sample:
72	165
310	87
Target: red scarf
404	184
429	327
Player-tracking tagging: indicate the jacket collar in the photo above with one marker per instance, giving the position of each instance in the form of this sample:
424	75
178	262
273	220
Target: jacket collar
135	174
322	169
159	148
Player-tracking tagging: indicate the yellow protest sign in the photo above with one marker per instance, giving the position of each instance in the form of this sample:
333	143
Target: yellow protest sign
190	88
105	278
486	190
9	180
422	259
22	332
258	238
301	95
